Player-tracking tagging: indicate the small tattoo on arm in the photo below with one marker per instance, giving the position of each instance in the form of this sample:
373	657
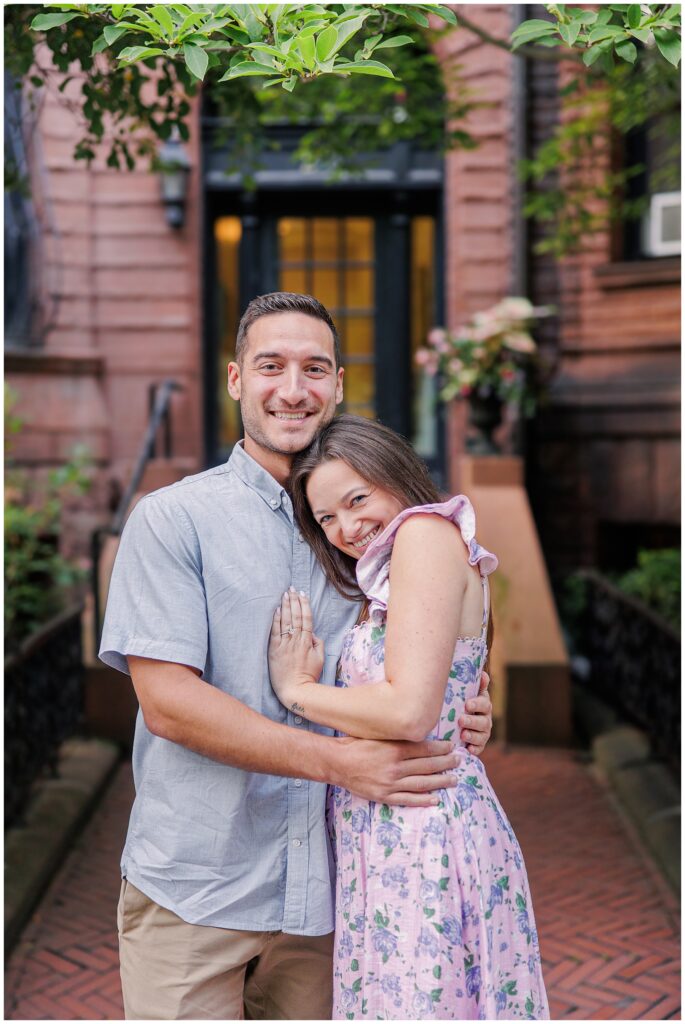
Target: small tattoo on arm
297	709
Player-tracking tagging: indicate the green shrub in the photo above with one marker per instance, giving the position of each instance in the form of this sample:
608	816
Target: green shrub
39	582
656	582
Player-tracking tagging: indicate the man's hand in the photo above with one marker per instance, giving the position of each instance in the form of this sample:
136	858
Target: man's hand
477	725
392	772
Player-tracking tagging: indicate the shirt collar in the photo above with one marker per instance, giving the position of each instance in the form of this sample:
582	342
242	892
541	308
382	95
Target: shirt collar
256	477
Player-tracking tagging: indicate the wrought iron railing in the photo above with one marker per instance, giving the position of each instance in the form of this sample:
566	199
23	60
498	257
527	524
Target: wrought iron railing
43	705
634	658
159	418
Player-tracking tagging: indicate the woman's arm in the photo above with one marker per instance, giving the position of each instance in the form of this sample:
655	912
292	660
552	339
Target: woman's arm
429	573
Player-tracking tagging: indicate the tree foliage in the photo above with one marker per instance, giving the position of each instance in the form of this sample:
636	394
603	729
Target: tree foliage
360	76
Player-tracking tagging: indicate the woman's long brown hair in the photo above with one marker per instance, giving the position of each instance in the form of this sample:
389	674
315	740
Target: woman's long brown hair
381	457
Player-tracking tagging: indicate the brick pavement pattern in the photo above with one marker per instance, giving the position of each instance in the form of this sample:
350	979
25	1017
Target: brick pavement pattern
608	925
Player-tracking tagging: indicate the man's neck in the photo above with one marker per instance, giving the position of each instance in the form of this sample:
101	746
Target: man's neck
276	464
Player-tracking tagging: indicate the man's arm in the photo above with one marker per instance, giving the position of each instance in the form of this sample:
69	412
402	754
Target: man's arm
180	707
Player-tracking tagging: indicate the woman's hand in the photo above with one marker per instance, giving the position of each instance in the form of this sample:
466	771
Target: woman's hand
296	656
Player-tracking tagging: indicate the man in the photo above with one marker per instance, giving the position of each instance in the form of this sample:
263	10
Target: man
226	902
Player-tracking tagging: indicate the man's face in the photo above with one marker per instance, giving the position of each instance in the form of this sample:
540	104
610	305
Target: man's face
287	386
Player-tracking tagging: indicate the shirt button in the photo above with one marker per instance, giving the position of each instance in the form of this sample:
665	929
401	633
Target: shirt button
297	842
298	720
274	502
298	783
300	537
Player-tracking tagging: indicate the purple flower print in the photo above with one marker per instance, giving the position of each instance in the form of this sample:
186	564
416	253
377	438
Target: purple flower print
464	670
393	878
427	942
434	831
360	820
345	896
345	946
473	980
465	794
348	998
429	891
384	941
500	999
523	922
346	841
451	929
388	834
422	1005
391	985
449	693
496	896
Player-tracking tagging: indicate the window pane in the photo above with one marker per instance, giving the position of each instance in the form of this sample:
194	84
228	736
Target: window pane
325	288
359	336
424	435
293	281
291	239
325	239
359	385
359	289
359	238
227	234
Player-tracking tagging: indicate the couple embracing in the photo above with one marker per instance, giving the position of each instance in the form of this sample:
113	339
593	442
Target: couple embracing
298	849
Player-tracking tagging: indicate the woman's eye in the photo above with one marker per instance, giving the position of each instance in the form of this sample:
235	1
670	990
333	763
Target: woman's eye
324	520
358	497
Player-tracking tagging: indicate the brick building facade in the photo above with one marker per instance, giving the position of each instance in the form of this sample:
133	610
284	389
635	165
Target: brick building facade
138	302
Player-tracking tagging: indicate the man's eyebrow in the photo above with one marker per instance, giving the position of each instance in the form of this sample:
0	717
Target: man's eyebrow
320	358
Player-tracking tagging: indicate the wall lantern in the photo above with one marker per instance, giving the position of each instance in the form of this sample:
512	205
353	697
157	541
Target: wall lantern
173	165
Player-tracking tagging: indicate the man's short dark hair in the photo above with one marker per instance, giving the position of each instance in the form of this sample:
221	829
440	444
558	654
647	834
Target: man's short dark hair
283	302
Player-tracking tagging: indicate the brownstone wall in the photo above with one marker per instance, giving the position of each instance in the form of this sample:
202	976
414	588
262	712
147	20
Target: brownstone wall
126	290
478	184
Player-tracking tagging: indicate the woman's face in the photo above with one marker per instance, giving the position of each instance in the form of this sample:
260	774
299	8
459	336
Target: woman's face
350	510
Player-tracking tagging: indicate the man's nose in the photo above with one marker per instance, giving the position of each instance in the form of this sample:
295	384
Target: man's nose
293	388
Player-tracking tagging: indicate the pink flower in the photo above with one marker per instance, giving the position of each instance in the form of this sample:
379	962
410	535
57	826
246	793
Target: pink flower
427	360
519	341
465	390
437	337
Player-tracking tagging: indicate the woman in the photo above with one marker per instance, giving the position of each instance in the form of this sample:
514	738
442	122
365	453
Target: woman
433	910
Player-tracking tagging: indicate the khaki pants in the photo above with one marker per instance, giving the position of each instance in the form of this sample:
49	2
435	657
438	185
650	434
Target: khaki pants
171	970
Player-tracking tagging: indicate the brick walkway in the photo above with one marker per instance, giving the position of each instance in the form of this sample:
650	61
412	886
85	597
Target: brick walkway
608	926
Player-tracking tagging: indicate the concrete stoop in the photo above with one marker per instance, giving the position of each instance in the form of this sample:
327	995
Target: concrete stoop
646	791
58	809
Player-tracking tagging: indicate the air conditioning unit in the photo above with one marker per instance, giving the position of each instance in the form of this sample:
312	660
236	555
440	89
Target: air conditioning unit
661	226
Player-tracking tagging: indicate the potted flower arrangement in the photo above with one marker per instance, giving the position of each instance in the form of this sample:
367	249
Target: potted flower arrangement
490	362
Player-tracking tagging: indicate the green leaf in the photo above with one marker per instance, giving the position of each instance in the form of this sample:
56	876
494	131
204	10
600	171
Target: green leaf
591	55
196	60
112	33
354	966
429	911
569	33
161	14
290	83
627	51
346	29
364	67
530	31
584	17
43	22
131	54
445	861
99	45
446	13
643	34
248	68
325	43
437	971
393	41
451	714
634	15
307	47
385	812
436	995
668	43
356	984
448	735
444	882
416	16
604	32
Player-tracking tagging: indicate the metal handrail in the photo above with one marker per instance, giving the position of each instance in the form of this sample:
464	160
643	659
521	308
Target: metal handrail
159	414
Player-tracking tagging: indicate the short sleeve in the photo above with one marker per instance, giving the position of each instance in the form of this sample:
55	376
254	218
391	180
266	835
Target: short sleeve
373	568
156	607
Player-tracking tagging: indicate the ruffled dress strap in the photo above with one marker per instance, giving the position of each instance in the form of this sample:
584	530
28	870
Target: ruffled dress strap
373	568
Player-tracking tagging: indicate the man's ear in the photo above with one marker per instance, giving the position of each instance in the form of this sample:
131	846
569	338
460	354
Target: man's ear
234	381
339	386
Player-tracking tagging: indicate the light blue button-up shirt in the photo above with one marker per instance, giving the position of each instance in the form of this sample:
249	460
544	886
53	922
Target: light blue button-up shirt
200	570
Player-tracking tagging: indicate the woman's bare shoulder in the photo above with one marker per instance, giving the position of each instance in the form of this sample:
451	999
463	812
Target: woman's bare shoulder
429	538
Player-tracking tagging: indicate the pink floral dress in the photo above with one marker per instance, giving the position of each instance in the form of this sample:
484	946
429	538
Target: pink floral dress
433	911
